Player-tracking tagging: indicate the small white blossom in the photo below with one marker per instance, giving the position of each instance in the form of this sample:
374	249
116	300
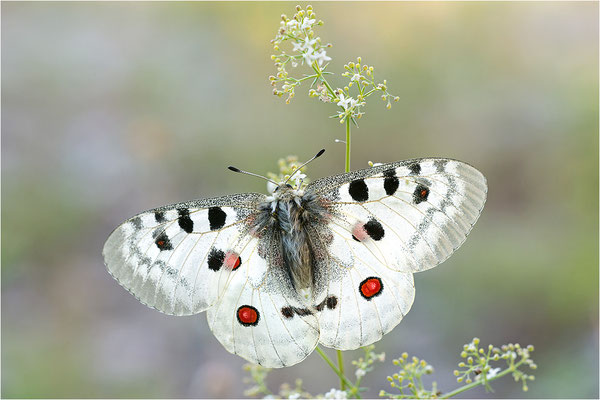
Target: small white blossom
298	178
308	56
355	77
321	57
492	373
336	394
353	103
292	23
294	396
360	373
471	347
307	23
309	43
344	101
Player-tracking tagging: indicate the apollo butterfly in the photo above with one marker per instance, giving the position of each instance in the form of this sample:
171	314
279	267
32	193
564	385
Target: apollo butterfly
330	262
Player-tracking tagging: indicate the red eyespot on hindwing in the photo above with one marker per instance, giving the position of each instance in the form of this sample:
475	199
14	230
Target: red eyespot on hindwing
248	316
371	287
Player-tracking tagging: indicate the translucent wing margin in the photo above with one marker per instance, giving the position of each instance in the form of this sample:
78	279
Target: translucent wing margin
170	257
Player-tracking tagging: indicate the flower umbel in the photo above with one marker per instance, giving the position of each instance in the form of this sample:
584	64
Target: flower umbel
307	48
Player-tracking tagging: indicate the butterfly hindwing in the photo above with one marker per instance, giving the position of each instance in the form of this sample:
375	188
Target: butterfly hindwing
362	301
259	315
171	258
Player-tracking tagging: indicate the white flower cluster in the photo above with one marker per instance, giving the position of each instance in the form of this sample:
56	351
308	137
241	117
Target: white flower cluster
310	48
350	105
336	394
360	373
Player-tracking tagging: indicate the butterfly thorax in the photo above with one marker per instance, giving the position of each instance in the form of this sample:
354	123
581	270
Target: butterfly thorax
290	216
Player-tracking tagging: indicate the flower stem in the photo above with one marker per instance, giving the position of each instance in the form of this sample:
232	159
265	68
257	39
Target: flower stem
347	144
337	372
461	389
340	360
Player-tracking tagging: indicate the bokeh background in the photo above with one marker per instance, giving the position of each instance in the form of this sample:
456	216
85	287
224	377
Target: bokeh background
110	109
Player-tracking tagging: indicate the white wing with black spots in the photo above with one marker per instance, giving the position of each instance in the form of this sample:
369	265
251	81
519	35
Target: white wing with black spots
173	258
386	223
263	320
411	214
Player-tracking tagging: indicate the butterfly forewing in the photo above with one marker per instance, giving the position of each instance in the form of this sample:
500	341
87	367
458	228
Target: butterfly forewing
170	258
417	212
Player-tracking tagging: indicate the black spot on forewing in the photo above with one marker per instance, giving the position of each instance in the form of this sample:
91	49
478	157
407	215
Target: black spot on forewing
415	168
440	165
215	259
391	182
374	229
358	190
420	194
185	222
159	216
162	242
216	218
389	173
136	222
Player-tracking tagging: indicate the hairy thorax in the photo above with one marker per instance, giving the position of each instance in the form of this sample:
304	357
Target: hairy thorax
292	218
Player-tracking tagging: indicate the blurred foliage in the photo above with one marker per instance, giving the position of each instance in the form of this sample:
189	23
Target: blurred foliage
112	108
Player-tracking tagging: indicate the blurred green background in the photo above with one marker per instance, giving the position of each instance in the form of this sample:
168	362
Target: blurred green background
110	109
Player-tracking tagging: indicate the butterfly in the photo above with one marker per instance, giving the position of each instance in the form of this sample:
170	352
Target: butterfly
330	262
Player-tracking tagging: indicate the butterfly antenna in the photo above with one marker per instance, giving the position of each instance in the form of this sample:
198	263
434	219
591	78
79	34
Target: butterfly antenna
234	169
302	166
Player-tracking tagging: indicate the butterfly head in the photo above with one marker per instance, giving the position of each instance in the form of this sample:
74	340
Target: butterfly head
285	191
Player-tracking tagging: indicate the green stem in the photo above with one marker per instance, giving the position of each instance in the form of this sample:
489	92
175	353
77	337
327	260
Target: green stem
347	144
317	69
340	360
337	372
507	371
